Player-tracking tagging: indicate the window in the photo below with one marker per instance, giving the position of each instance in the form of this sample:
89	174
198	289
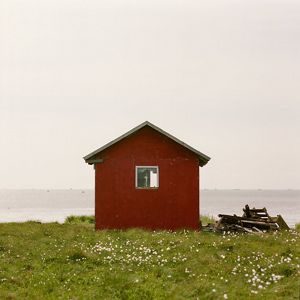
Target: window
146	177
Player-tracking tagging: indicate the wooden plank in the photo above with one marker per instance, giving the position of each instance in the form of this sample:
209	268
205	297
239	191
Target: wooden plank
95	161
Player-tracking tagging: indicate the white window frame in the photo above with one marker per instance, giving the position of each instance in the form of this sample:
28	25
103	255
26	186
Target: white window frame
136	178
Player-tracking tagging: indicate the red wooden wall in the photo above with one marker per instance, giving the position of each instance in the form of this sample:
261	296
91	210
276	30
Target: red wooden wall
174	205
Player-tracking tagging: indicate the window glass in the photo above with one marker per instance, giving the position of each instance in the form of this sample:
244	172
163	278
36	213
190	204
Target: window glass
146	177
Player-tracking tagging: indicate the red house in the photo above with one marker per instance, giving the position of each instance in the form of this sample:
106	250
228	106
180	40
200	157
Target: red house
147	178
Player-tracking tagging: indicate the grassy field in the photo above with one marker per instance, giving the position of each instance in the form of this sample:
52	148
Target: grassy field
72	261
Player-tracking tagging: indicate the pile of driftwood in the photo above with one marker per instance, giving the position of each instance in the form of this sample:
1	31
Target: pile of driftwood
253	220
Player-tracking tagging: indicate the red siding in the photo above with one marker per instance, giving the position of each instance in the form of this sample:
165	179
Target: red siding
174	205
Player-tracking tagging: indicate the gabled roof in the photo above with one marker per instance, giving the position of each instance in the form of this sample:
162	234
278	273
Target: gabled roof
203	159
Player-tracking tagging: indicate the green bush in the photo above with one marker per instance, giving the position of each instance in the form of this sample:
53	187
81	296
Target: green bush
80	219
207	219
297	226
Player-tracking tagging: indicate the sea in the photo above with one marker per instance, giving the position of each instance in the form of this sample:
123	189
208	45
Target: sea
56	205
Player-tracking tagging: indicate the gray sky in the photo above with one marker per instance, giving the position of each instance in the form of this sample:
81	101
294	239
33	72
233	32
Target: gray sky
223	76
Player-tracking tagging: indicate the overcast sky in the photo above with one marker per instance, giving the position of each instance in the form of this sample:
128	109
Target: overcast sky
223	76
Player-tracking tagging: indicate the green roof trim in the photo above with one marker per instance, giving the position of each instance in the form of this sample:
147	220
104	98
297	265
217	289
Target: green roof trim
203	159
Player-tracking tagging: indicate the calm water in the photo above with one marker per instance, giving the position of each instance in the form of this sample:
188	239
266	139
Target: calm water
56	205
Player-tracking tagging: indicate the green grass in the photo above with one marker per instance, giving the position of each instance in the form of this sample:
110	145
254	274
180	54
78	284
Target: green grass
72	261
91	219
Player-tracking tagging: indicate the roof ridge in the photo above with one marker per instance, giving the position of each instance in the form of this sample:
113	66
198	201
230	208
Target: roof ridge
203	159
